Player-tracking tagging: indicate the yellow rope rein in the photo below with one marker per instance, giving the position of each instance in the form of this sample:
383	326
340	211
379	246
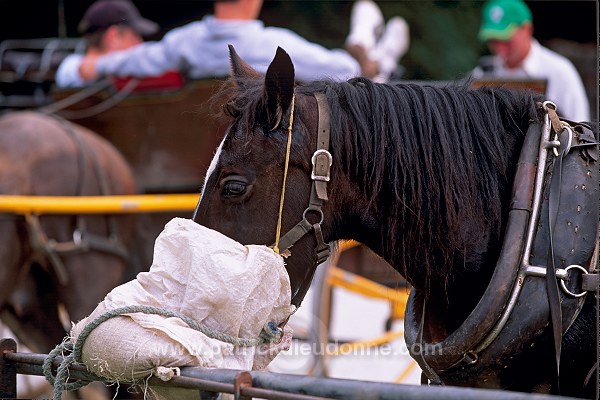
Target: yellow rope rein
285	171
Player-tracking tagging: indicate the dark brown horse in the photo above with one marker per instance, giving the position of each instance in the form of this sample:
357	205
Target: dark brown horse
52	262
425	176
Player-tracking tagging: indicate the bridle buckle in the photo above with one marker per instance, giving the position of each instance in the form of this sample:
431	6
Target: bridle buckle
321	161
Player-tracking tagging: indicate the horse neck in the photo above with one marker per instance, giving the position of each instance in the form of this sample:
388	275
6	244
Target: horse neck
396	199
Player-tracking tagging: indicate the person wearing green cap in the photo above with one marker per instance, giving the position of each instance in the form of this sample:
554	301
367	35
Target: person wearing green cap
507	29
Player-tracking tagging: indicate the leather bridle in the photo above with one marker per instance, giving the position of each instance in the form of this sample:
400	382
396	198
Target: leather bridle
320	176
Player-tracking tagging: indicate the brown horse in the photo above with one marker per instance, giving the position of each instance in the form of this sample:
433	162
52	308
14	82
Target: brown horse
53	262
424	176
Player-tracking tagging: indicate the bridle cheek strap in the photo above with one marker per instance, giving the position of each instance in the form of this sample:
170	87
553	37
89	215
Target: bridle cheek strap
288	151
321	169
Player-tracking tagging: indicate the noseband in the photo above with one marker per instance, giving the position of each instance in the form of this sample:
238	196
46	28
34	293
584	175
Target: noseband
321	169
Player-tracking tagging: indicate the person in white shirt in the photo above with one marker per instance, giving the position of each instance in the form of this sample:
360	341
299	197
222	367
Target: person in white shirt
107	26
508	30
200	48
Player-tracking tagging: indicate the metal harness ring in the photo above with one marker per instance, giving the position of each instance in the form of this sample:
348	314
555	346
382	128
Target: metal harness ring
316	210
564	286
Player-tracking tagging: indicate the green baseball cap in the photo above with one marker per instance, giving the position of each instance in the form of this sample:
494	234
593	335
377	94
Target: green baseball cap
501	18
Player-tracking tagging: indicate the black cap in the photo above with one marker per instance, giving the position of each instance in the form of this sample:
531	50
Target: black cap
104	13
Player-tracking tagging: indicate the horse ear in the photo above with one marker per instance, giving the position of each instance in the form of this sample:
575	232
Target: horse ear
279	87
240	69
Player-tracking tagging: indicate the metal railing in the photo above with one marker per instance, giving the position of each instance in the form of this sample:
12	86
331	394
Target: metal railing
267	385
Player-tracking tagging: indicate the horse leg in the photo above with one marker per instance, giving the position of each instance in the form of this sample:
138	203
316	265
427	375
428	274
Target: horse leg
20	306
32	311
91	276
11	255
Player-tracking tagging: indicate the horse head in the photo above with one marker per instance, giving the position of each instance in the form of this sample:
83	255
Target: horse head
362	165
249	174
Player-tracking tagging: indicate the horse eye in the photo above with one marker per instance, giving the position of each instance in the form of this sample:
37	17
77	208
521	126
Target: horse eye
234	188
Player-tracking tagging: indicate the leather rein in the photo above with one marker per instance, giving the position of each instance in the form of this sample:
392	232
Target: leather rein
320	176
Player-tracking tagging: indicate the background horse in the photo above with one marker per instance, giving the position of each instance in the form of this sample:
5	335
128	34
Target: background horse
52	262
423	176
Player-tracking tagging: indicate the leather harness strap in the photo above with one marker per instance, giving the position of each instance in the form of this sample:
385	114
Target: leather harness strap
321	159
590	278
551	281
83	240
320	175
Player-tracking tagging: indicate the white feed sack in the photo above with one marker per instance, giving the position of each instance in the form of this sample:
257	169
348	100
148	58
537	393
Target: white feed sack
206	276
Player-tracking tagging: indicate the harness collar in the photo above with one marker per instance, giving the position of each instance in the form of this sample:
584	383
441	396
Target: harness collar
485	323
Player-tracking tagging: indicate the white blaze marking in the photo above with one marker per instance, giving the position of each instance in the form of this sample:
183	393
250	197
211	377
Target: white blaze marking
209	172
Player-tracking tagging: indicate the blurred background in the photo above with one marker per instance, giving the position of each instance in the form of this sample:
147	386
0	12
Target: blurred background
443	46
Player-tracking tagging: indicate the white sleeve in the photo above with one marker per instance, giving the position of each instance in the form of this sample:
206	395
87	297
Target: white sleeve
575	102
143	60
67	74
566	90
313	61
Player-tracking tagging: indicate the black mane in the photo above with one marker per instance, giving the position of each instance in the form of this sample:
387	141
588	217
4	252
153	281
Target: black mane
435	162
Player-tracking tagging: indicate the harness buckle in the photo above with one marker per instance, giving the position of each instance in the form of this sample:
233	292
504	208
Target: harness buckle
321	161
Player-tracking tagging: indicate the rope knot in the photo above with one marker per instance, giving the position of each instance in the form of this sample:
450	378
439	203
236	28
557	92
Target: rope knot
59	381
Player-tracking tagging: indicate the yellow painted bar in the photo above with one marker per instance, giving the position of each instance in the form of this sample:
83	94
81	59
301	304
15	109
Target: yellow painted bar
358	284
353	347
98	204
412	365
347	244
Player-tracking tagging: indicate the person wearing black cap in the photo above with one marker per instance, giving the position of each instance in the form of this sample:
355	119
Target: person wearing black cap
107	26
